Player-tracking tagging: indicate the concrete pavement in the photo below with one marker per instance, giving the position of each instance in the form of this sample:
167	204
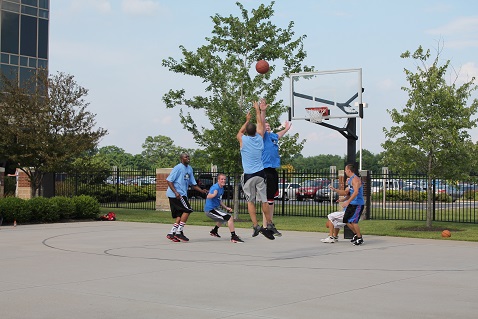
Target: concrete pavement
130	270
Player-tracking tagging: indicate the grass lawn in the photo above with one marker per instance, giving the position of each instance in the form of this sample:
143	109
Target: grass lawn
396	228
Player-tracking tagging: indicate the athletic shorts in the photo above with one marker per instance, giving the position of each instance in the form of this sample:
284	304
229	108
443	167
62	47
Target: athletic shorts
353	213
336	218
254	188
179	206
272	182
218	215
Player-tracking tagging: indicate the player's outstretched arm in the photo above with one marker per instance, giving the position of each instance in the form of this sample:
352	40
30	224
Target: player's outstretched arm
288	125
243	129
259	124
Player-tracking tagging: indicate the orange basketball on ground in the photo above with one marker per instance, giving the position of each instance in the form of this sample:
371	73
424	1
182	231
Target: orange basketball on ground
262	66
446	233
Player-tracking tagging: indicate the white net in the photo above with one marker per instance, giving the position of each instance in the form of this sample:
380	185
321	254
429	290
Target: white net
316	114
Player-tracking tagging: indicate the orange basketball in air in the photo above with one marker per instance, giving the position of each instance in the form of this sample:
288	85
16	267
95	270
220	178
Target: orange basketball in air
446	233
262	66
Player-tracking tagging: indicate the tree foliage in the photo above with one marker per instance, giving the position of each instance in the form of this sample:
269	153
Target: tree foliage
319	162
432	131
226	66
44	123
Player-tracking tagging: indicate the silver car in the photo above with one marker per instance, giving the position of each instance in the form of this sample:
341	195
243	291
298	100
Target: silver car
287	191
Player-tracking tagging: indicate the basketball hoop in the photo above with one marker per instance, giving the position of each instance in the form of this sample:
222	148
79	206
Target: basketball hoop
317	114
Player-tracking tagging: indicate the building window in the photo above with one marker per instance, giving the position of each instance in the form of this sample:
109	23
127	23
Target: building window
10	6
43	39
30	11
33	3
28	36
10	32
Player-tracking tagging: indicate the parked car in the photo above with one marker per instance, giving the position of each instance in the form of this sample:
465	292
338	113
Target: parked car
325	194
142	180
309	188
377	185
451	191
465	187
204	181
287	191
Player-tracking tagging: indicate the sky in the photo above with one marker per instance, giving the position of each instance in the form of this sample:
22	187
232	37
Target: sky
114	48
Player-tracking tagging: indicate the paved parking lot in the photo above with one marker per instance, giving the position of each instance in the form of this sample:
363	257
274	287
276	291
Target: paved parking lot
130	270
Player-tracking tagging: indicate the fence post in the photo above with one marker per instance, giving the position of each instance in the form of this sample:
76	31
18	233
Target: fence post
2	184
368	195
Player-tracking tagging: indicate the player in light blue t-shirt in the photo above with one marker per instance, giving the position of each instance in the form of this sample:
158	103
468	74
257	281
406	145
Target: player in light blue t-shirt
250	137
178	182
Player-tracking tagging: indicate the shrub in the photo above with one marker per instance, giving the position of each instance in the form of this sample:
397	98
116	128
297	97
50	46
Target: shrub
12	208
66	206
43	210
86	207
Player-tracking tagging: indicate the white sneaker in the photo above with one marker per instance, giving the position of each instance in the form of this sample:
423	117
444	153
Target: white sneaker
328	240
336	239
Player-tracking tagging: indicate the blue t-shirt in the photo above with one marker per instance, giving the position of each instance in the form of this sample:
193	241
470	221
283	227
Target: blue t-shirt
214	202
251	153
270	154
359	200
181	176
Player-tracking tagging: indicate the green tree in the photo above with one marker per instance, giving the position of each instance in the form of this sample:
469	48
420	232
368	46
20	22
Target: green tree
160	151
431	134
370	161
226	66
114	156
319	162
44	124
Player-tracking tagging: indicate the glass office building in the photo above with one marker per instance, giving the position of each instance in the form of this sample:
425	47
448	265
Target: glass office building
24	32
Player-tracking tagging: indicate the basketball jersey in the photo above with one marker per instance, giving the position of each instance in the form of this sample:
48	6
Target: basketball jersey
359	200
251	153
181	176
270	154
212	203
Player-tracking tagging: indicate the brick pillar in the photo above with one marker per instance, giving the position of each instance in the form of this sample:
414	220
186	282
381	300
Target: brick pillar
24	190
2	182
162	201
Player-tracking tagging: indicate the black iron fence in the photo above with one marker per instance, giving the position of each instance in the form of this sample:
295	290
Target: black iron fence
133	189
305	193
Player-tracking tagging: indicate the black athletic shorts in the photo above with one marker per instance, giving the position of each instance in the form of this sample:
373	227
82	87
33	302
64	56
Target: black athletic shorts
179	206
272	182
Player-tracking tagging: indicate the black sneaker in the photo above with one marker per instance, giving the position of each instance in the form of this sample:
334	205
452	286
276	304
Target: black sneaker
274	230
267	233
172	237
358	242
256	230
214	234
353	239
236	239
180	236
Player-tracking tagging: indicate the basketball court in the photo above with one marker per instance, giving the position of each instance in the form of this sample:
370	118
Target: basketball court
130	270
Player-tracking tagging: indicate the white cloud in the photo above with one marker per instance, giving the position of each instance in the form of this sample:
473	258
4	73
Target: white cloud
466	72
139	7
458	26
165	120
386	84
103	6
459	33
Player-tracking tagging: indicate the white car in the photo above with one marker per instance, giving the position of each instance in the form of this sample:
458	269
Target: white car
287	191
